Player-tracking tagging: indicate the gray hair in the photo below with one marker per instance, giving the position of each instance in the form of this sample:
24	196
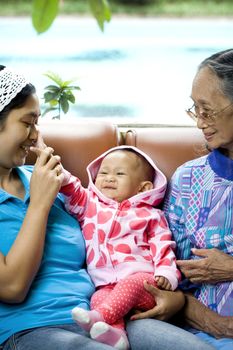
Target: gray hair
221	63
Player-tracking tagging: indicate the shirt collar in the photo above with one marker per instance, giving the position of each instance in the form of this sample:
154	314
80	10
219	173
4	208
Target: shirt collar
221	164
25	176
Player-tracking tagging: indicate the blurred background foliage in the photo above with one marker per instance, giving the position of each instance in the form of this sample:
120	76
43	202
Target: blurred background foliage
130	7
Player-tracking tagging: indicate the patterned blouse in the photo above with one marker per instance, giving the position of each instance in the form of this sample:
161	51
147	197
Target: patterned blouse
199	210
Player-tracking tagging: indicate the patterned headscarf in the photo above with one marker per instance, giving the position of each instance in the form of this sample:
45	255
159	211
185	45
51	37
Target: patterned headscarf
11	83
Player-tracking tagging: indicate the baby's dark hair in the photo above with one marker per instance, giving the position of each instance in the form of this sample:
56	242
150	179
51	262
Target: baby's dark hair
18	101
149	171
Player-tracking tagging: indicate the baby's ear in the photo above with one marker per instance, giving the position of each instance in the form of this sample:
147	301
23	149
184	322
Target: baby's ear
145	186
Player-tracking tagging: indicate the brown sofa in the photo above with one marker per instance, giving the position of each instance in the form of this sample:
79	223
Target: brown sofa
169	147
79	142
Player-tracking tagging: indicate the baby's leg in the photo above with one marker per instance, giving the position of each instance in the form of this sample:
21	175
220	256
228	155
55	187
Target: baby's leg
127	294
111	335
100	331
110	304
85	318
100	297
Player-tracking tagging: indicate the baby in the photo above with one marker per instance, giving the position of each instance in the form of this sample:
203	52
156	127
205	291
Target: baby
127	239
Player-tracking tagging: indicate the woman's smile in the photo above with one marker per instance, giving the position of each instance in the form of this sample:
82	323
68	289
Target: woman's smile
209	136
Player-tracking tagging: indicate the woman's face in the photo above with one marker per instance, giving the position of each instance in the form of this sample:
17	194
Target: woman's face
208	98
18	133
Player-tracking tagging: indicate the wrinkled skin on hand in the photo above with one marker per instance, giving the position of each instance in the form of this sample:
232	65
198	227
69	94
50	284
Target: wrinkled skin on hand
200	317
213	267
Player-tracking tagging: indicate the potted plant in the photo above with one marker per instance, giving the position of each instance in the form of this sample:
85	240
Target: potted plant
58	96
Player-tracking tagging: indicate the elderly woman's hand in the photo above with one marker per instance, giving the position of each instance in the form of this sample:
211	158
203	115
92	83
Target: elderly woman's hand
213	267
167	304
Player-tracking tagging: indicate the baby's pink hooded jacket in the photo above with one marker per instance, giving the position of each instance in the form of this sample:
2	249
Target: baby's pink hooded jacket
122	238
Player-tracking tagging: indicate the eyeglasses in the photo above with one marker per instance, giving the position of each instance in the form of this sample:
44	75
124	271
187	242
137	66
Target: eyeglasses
206	117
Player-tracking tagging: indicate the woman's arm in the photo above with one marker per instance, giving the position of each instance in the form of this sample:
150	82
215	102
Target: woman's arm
74	193
200	317
194	313
19	266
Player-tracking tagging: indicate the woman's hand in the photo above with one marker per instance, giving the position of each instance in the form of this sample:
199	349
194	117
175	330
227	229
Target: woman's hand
47	177
215	266
167	304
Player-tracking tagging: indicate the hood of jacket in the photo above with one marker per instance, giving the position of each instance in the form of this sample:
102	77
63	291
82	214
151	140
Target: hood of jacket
152	197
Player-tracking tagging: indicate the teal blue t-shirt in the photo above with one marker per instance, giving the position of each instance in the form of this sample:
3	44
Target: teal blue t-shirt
61	282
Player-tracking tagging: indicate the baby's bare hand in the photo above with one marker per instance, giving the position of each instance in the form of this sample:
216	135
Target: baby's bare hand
163	283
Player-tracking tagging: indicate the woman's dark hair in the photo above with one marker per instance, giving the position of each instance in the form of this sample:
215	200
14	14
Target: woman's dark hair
221	63
18	101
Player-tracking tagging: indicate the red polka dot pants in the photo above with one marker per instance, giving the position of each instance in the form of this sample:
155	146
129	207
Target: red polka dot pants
114	301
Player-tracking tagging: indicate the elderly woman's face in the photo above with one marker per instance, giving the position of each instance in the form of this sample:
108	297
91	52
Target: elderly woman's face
209	99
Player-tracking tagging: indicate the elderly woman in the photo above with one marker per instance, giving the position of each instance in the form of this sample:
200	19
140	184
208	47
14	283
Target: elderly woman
199	207
199	210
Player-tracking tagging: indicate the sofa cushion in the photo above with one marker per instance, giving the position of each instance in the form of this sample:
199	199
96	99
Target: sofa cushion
169	147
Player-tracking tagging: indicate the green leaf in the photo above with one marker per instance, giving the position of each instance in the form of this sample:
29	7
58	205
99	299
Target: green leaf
68	82
43	14
101	11
73	87
54	77
64	104
52	88
49	96
54	103
70	97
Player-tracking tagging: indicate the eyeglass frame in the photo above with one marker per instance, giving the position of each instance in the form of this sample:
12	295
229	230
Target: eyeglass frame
209	118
